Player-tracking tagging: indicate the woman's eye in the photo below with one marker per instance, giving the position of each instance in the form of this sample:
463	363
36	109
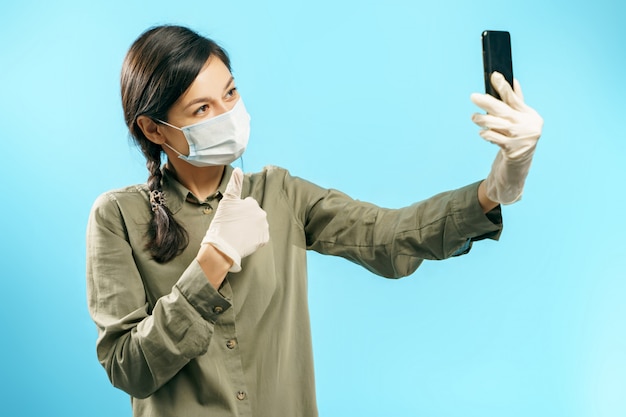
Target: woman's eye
203	109
232	92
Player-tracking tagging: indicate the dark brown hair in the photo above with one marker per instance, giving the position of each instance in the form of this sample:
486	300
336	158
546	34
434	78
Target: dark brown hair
159	67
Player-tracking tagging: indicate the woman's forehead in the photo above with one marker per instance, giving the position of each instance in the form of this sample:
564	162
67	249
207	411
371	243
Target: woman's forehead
210	82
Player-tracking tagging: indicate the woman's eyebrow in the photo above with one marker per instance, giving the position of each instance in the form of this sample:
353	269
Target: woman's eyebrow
230	81
205	99
197	100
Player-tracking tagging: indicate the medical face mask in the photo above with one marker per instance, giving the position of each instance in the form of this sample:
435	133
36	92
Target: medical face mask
219	140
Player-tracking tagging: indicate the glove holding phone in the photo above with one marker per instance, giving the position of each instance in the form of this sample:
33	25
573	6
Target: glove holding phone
509	123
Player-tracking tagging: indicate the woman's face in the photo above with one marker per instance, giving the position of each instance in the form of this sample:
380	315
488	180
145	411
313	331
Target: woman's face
212	93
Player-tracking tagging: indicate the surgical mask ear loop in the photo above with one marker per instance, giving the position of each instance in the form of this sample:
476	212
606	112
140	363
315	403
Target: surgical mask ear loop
179	154
167	144
167	124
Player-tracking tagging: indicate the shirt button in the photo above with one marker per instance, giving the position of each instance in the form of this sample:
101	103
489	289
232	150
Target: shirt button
241	395
207	210
218	309
231	344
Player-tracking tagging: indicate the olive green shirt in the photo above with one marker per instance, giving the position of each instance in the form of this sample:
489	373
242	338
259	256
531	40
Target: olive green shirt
181	348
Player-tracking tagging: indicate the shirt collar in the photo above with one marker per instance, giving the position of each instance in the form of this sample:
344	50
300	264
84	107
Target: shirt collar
176	193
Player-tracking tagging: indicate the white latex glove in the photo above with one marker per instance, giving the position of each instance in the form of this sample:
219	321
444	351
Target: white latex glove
239	227
515	128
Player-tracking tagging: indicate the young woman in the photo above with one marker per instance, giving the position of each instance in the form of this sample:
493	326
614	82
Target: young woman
197	279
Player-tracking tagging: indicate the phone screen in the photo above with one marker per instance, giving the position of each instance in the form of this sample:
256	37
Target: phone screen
497	57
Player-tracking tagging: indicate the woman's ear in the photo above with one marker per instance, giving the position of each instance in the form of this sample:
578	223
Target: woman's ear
151	129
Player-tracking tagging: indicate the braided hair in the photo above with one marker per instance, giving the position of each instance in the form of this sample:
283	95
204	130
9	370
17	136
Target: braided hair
158	68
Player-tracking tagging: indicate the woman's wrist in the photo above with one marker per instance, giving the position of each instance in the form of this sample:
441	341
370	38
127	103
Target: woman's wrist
214	264
485	202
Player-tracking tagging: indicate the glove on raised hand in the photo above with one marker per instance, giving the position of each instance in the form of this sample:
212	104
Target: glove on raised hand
515	128
239	227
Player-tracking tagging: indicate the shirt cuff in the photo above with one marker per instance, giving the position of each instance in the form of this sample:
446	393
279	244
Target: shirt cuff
196	288
471	220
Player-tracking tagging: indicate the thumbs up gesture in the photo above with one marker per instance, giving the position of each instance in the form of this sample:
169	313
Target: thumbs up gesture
239	227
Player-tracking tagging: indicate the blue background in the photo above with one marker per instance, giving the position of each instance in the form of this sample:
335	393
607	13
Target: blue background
371	98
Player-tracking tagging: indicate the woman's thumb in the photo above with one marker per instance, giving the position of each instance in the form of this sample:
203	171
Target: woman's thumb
233	188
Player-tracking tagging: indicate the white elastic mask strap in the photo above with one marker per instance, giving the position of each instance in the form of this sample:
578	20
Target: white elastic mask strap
167	144
165	123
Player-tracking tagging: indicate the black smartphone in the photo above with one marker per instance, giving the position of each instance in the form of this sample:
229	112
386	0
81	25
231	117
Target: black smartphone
497	57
